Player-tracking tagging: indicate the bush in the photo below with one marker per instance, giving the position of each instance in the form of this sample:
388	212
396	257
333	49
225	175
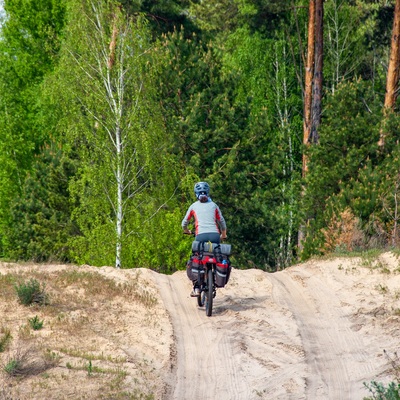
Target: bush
31	293
342	232
35	323
380	392
392	391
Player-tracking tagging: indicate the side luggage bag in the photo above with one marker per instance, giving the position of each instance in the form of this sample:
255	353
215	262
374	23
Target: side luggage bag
195	270
223	273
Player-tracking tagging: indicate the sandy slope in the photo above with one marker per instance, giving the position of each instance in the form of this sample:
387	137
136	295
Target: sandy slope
317	330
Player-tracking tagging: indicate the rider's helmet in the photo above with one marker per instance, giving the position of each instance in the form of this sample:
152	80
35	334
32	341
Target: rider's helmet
202	191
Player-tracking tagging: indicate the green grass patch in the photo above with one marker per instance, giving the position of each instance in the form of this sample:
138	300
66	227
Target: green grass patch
35	323
13	367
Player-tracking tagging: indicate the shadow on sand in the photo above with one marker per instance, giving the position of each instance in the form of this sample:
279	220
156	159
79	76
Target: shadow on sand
237	304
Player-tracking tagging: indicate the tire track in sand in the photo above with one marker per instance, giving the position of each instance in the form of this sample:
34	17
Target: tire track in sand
287	335
207	366
329	342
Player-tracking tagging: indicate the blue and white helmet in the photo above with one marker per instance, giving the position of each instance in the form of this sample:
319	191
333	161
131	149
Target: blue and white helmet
201	188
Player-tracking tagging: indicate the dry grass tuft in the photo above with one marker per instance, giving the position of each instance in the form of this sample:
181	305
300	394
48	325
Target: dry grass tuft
5	394
7	282
5	339
24	362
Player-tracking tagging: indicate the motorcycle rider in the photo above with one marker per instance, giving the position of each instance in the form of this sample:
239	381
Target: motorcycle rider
208	221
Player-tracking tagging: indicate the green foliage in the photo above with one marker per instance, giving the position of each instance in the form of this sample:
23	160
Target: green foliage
158	243
373	196
165	15
96	243
346	27
230	120
204	100
90	368
12	367
31	292
236	13
118	133
381	392
32	31
28	48
217	141
348	143
40	216
348	172
35	323
262	175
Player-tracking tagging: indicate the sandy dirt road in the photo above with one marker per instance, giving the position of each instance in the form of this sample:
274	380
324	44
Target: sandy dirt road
314	331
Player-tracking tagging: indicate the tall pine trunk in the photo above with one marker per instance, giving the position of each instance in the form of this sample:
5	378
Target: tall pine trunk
318	75
309	73
392	81
308	81
313	89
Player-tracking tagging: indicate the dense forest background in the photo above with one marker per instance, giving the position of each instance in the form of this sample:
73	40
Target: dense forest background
110	111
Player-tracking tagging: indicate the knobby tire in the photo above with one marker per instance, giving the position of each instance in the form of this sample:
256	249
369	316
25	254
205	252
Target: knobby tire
209	294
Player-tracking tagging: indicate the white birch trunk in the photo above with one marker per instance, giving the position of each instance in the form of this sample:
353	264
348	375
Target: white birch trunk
119	214
281	89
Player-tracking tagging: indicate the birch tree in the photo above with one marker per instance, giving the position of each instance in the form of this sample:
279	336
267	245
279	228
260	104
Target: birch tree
282	84
116	136
343	50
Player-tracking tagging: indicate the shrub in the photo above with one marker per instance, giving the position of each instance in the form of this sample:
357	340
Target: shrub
35	323
380	392
392	391
342	232
31	292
